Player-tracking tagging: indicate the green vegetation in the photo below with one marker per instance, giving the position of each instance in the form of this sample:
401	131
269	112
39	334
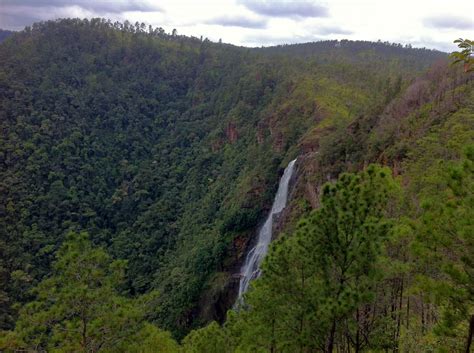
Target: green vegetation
136	166
446	234
318	285
78	307
377	267
465	55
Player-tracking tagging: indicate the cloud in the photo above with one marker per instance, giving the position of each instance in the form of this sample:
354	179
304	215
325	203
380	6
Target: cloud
429	42
302	8
446	21
256	40
238	21
326	30
16	14
99	7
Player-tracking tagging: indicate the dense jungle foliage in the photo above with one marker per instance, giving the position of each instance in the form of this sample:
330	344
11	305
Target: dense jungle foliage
136	166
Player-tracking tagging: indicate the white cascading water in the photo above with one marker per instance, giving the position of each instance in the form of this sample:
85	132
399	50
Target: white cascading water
251	268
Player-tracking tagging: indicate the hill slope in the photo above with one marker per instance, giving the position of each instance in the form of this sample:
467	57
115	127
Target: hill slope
166	149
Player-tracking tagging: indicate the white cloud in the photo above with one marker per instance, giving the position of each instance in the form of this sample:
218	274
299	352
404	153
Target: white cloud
285	8
238	21
451	22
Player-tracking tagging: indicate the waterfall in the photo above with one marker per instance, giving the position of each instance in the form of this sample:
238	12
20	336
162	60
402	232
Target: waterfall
251	268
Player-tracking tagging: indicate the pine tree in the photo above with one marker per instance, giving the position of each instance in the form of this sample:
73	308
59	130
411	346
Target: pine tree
209	339
78	308
315	281
447	234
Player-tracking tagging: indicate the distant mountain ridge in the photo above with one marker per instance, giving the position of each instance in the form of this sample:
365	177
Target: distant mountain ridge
357	50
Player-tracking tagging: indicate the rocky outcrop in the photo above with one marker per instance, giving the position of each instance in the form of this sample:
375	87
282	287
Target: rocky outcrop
262	128
278	142
312	194
231	132
219	297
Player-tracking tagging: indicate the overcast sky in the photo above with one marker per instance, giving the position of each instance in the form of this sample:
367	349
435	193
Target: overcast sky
422	23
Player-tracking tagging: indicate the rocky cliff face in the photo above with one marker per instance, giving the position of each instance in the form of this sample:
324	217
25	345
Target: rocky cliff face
304	196
231	132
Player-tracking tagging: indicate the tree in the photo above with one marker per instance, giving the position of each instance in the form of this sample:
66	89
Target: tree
209	339
150	339
315	282
447	234
78	308
465	55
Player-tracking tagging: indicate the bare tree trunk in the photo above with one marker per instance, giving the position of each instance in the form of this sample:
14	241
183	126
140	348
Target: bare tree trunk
84	334
357	344
272	344
408	312
302	315
330	344
469	335
399	316
422	317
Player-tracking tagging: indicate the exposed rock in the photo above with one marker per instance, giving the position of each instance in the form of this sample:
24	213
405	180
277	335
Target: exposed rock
312	195
231	132
219	297
311	142
240	245
223	288
396	167
278	142
261	127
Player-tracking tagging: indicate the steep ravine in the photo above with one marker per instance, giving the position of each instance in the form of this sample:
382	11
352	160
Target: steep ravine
218	300
250	270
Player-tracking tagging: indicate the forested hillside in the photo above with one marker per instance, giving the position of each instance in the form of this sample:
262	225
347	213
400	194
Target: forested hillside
4	34
137	165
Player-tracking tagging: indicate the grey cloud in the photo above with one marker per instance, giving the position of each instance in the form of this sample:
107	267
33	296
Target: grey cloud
302	8
96	6
269	40
449	22
326	30
428	42
238	21
16	14
14	21
17	17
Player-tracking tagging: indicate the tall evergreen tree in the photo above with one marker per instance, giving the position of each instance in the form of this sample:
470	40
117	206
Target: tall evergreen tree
447	234
314	282
78	308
